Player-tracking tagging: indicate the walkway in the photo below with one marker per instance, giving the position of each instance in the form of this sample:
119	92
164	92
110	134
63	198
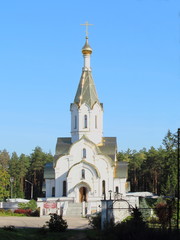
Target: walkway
38	222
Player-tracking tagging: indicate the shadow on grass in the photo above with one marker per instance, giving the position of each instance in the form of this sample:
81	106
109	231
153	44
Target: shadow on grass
89	234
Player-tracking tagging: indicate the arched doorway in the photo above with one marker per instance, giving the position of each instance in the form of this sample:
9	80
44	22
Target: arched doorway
82	194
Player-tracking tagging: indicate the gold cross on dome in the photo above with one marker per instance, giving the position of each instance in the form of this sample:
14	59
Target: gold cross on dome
86	24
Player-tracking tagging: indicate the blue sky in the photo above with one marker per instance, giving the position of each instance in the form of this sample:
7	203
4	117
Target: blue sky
135	64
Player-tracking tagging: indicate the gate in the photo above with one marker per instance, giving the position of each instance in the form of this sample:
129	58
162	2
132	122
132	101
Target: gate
115	210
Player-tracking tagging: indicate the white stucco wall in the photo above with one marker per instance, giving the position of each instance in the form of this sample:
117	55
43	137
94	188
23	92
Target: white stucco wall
50	183
93	131
97	168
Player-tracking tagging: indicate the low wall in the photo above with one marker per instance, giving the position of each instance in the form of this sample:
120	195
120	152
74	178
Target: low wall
12	203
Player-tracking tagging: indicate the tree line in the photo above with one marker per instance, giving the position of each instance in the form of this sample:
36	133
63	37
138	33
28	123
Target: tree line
14	170
153	170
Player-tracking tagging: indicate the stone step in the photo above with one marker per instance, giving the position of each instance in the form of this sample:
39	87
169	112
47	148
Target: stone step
74	209
75	204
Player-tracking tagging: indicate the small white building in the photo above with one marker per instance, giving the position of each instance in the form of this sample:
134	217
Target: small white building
85	166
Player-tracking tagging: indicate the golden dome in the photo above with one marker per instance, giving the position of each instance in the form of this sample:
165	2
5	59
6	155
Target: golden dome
86	49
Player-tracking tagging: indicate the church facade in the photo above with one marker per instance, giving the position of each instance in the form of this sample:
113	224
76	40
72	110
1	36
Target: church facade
85	167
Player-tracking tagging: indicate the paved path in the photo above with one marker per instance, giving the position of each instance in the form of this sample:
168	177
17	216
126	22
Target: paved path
38	222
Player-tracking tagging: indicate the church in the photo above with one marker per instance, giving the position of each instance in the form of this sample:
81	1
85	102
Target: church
85	167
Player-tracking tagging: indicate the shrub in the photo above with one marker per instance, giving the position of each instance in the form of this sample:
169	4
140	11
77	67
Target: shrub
26	212
9	228
57	223
144	209
30	205
132	228
95	221
8	212
153	222
127	219
164	214
36	213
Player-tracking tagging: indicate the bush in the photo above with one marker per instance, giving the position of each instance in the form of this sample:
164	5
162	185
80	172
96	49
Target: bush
30	205
10	228
8	212
36	213
163	213
144	209
95	221
153	222
57	223
26	212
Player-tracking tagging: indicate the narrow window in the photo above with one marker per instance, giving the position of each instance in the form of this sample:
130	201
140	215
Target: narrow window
85	121
53	191
83	174
117	189
103	186
96	121
75	122
84	153
64	188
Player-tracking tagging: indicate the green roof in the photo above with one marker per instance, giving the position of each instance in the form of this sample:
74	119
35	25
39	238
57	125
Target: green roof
108	147
86	92
121	170
49	172
62	147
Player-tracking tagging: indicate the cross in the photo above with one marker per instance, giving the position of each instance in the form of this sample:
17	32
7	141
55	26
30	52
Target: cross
86	24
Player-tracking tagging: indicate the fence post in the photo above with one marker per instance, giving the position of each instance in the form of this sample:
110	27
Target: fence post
106	213
103	213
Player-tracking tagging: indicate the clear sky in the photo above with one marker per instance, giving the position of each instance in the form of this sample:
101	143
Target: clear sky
135	66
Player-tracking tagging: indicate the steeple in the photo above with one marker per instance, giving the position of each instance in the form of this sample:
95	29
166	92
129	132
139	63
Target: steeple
86	92
87	50
86	111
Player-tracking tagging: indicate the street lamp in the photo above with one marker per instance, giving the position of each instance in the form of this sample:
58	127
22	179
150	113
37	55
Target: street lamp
11	181
31	188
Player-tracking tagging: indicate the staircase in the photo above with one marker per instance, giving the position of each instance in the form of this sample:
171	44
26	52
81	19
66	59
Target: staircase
74	210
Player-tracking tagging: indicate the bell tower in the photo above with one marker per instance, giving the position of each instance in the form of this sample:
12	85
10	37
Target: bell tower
86	110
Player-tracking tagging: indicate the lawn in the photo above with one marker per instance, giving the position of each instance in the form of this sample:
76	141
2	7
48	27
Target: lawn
90	234
39	234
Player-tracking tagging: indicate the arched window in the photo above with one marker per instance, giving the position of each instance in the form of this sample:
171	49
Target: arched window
96	121
75	122
103	186
117	189
85	121
83	174
84	153
53	191
64	188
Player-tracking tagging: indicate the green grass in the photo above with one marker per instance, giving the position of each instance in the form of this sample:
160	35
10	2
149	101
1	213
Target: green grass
9	213
39	234
12	215
90	234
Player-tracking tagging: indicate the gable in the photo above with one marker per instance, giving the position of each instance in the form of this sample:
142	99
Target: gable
87	165
108	148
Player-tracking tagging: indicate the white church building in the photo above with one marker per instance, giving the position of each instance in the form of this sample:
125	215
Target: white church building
85	167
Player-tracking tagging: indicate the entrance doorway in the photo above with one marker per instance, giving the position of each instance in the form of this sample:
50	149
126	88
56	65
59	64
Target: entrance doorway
83	194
